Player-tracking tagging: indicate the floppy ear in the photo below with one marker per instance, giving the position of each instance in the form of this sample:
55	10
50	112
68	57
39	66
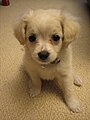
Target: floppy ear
21	26
70	29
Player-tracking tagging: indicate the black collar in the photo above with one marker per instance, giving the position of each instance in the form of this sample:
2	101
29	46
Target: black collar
56	61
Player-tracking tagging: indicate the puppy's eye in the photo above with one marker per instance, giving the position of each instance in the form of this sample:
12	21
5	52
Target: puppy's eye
32	38
56	37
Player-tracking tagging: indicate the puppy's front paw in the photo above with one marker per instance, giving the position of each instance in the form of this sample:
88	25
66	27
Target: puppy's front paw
34	92
77	81
73	105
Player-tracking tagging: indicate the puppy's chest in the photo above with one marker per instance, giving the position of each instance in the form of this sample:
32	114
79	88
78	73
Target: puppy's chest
47	73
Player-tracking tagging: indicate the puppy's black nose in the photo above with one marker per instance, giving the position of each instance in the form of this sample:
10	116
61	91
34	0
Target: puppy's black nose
43	55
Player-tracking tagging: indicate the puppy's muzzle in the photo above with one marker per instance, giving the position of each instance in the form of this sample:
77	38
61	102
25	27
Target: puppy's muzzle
43	55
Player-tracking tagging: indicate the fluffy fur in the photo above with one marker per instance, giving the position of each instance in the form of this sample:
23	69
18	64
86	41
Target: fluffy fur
44	24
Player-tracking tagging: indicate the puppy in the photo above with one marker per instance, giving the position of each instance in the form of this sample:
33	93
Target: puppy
46	36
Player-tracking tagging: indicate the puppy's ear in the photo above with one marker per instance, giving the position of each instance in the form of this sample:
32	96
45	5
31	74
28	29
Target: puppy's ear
21	26
70	29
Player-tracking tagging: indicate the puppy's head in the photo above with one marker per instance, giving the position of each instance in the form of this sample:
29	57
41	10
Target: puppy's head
45	32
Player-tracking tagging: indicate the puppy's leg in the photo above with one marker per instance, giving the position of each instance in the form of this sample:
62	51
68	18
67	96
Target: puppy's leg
69	94
34	85
77	80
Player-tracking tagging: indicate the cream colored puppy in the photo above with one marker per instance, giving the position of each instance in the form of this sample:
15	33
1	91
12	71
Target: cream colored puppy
46	36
